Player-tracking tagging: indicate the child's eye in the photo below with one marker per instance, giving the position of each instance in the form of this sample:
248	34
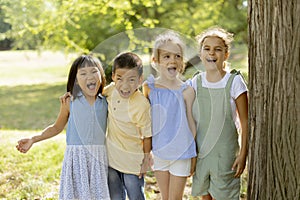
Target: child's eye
95	71
206	49
218	49
82	74
166	56
178	56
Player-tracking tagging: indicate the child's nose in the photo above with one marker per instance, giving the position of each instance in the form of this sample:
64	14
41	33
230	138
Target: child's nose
173	58
212	51
90	76
125	85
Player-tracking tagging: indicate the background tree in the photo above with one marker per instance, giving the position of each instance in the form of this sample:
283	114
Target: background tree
274	72
81	25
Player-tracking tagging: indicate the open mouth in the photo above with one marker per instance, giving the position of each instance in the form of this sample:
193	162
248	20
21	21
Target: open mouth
91	86
125	93
172	69
211	60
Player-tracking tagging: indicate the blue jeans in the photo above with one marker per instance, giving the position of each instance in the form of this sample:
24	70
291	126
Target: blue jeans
121	184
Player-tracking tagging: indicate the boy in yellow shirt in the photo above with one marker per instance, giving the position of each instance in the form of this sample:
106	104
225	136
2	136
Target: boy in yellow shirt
128	130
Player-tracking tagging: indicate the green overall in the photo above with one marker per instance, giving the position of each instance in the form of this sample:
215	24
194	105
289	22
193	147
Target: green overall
217	143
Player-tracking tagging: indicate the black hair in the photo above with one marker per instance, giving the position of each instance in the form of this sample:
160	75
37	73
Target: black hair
81	62
128	60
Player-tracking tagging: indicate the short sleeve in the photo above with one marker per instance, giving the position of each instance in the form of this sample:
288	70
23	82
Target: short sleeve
238	87
193	82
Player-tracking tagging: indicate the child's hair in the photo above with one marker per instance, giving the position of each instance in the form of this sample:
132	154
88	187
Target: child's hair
164	38
81	62
128	60
216	32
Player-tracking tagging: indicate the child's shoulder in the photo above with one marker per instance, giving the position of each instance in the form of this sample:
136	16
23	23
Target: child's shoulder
138	97
138	101
108	89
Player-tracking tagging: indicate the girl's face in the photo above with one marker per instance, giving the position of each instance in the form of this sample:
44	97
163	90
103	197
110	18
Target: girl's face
170	60
89	80
213	53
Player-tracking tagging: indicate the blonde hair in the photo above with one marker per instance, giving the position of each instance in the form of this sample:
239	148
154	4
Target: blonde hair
216	32
164	38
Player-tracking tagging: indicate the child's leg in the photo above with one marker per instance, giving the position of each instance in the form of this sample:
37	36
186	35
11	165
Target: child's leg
162	178
134	186
115	185
176	187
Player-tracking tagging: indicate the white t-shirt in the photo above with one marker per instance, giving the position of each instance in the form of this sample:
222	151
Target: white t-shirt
237	88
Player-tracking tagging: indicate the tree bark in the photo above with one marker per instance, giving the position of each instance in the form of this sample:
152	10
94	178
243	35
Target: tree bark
274	93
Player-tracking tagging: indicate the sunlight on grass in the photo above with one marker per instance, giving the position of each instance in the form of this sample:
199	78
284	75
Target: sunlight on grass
34	175
29	107
31	67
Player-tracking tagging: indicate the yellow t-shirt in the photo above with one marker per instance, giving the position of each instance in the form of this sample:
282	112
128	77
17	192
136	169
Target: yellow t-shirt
129	121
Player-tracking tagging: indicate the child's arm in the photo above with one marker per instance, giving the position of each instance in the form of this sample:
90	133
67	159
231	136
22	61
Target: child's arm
25	144
147	161
189	97
147	142
242	108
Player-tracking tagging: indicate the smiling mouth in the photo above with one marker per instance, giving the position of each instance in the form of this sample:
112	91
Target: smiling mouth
91	86
211	60
172	69
125	94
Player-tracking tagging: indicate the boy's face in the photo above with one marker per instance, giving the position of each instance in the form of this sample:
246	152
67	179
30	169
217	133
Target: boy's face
127	81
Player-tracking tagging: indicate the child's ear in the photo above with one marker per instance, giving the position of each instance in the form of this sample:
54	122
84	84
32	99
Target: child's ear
226	55
113	77
141	79
154	59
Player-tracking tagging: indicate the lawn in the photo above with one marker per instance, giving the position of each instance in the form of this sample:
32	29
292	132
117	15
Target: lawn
30	86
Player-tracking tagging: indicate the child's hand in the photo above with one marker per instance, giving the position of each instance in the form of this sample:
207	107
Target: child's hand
193	165
239	165
24	145
146	165
64	98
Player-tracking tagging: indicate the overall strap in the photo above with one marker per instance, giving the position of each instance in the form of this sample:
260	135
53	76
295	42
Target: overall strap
229	83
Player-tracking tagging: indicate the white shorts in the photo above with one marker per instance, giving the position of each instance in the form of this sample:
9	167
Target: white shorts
175	167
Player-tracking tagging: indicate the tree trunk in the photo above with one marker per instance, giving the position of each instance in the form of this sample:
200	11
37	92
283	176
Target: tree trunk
274	95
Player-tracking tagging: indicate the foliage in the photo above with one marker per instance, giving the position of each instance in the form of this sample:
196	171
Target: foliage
81	25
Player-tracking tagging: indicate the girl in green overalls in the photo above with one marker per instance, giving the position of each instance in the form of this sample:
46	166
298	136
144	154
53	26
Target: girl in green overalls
221	112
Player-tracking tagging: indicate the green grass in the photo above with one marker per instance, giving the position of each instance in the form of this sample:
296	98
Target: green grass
30	87
34	175
29	107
